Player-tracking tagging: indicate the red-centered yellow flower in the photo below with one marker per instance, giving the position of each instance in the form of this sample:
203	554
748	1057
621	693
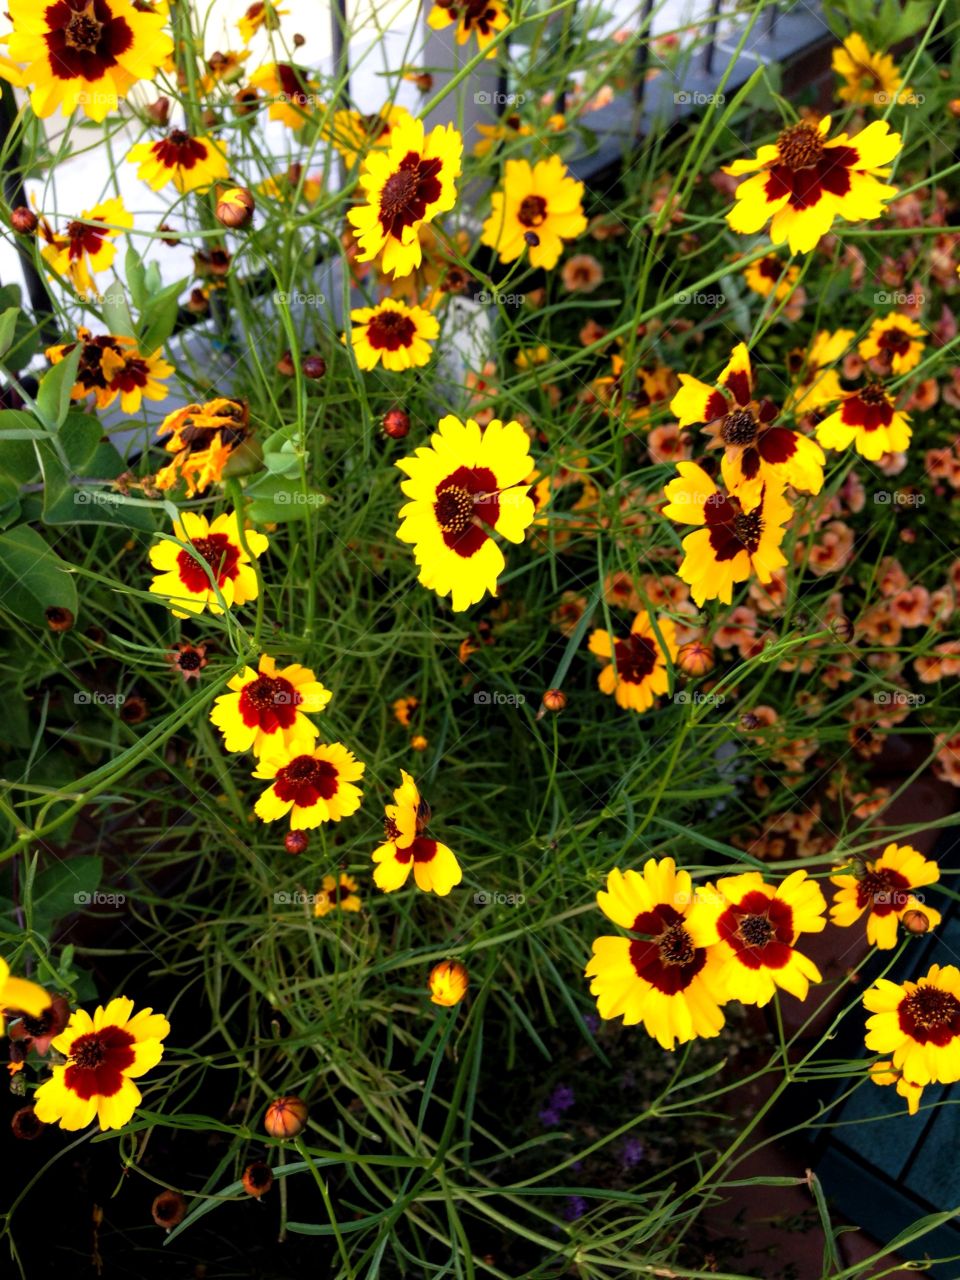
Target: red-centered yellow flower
507	129
884	1073
757	926
405	186
313	785
224	68
353	133
817	383
770	273
635	670
86	245
755	450
292	94
896	340
202	439
216	555
666	974
740	536
869	420
19	995
268	708
191	164
393	334
918	1024
883	888
85	53
337	894
461	487
110	366
448	983
539	209
871	79
262	15
104	1055
407	847
805	182
484	18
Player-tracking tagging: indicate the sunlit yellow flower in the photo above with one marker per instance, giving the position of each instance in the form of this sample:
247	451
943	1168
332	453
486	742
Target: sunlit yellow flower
918	1024
407	847
86	245
353	133
481	17
189	163
896	341
393	334
203	439
111	365
870	79
313	784
448	983
635	670
262	15
883	888
771	273
292	94
539	208
268	707
337	894
870	421
216	553
817	382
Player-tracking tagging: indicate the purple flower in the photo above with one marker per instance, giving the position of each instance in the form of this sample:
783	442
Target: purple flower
561	1100
575	1208
632	1153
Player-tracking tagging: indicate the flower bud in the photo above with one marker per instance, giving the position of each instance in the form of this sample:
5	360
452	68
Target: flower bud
235	208
296	842
396	424
418	742
257	1179
285	1117
25	1124
531	238
448	983
314	367
555	700
695	658
285	366
298	40
23	220
159	112
915	921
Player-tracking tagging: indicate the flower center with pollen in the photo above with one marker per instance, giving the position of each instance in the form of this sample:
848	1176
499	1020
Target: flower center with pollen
739	427
454	509
747	529
88	1052
929	1014
532	211
218	552
884	891
270	702
406	193
83	31
755	931
635	658
800	147
306	780
676	945
895	340
390	330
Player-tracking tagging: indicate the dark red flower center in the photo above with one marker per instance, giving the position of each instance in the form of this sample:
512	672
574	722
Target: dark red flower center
292	84
270	703
466	496
422	850
883	890
84	39
732	529
930	1016
97	1062
666	955
180	150
760	930
306	780
894	340
805	168
190	660
635	658
389	331
85	238
217	551
869	409
532	211
407	192
770	267
739	427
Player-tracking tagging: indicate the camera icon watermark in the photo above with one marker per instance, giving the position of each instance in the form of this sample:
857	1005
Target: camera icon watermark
494	698
500	299
298	299
485	98
700	299
699	699
486	898
898	298
898	698
98	899
96	498
94	698
296	898
693	98
296	498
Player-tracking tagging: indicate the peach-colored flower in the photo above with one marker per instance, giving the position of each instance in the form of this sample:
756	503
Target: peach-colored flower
740	627
878	625
947	763
582	273
911	607
832	550
566	616
669	444
891	578
619	591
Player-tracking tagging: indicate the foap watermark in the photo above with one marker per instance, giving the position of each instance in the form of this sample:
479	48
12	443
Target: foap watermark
295	498
899	299
905	98
496	99
494	698
298	299
96	498
898	698
699	699
694	98
296	898
899	498
93	698
700	299
98	899
500	299
485	898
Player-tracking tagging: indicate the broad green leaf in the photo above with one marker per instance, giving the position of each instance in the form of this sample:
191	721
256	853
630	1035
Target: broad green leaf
63	888
136	283
53	397
18	458
33	577
116	313
8	327
277	500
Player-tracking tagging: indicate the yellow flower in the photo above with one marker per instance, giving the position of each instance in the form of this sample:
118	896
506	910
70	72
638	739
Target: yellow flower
337	895
463	485
85	246
104	1054
882	887
393	334
896	341
216	553
738	537
871	79
918	1024
110	366
202	439
268	708
19	995
189	163
262	15
884	1073
435	867
539	208
224	68
818	384
757	927
666	974
405	186
505	130
805	182
448	983
293	95
314	784
353	134
635	671
85	53
770	273
481	17
869	420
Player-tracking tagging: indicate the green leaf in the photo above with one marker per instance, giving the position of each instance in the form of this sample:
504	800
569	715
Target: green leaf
33	577
9	500
117	315
278	499
88	451
159	316
136	278
8	327
53	397
61	889
18	458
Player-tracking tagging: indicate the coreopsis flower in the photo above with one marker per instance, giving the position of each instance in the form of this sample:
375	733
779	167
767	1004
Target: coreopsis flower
405	186
506	129
739	536
85	53
267	709
870	79
403	709
883	887
337	894
224	68
483	18
539	208
104	1055
393	334
38	1032
635	670
262	15
869	420
111	365
770	274
202	439
817	383
215	553
353	133
805	182
884	1073
19	995
448	983
755	450
896	341
666	974
464	485
191	164
313	784
407	847
918	1024
757	926
188	660
86	245
292	94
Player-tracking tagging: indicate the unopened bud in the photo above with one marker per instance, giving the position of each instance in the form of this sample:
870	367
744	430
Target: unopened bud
235	207
296	842
285	1117
396	424
23	220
